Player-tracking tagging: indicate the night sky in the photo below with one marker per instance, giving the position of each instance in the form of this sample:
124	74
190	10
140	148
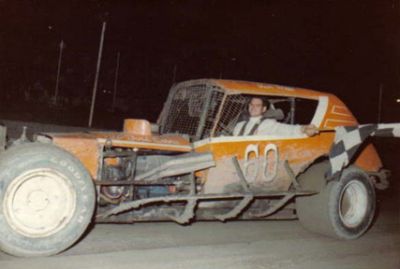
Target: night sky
348	48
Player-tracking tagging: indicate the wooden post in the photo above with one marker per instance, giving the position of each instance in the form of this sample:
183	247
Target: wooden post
380	103
97	75
115	82
62	45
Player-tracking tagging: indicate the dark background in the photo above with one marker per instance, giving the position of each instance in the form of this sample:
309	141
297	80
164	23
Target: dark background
349	48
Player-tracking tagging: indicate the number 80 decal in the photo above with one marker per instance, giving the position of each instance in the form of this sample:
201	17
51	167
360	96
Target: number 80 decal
269	165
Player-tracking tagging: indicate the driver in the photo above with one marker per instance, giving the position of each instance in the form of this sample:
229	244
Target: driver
258	125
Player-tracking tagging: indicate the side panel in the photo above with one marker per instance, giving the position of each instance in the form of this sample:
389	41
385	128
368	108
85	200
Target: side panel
86	150
261	158
369	159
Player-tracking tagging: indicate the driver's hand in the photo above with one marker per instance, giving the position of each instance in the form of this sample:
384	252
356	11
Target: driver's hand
310	130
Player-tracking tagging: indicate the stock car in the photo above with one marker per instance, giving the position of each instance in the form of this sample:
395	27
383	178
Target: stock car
186	167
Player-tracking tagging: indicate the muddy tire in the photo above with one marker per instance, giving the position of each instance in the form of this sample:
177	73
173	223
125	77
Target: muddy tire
343	209
47	200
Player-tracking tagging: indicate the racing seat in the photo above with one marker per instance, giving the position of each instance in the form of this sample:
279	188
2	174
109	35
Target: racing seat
274	113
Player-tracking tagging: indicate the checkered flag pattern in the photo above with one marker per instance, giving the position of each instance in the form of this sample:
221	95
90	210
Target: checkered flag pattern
348	139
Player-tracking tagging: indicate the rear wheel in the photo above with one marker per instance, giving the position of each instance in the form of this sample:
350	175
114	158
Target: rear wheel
344	208
47	200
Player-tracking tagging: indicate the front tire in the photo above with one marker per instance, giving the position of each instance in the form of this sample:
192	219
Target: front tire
47	200
343	209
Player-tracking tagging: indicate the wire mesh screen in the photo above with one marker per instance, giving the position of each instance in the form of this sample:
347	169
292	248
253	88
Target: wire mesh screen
234	107
215	103
192	108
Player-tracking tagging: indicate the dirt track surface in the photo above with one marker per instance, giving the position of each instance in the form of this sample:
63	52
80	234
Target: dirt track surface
250	244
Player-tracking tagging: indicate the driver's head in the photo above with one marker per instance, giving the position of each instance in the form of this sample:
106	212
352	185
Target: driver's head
257	107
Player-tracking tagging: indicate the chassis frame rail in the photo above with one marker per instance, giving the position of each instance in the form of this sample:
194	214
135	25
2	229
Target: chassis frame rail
192	200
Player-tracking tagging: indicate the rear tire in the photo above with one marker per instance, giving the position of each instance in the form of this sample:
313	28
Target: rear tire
343	209
47	200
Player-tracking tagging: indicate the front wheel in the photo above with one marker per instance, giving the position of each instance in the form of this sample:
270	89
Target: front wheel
47	200
343	209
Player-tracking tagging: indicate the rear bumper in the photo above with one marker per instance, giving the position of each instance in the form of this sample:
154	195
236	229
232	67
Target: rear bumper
380	179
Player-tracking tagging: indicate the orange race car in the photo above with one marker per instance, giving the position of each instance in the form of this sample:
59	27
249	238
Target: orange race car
189	167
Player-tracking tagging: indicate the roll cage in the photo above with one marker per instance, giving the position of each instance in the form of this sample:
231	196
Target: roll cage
202	110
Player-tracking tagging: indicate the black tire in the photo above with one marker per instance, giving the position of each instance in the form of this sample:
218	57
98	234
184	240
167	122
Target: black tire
343	208
47	200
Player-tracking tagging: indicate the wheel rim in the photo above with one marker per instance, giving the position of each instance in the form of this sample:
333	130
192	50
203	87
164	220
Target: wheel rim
39	203
353	203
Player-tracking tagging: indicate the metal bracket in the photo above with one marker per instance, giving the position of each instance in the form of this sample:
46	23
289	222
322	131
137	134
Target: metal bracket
242	178
291	174
247	196
23	138
237	209
275	207
187	214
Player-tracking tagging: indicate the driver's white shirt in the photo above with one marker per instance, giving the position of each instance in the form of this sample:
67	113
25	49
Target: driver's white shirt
251	122
268	127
